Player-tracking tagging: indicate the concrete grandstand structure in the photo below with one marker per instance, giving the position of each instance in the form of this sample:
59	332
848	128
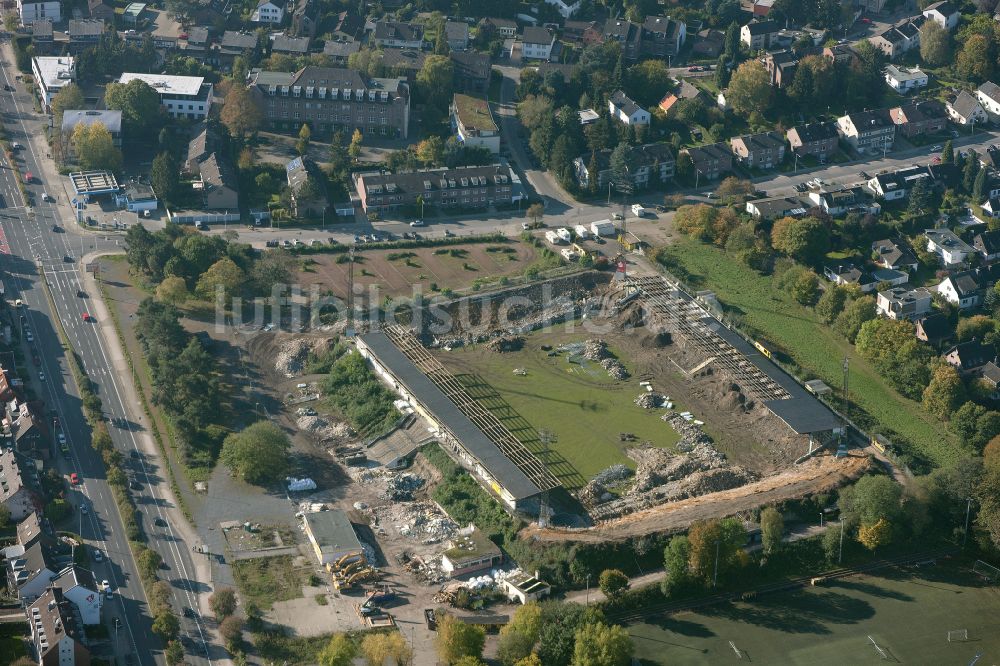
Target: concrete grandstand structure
472	435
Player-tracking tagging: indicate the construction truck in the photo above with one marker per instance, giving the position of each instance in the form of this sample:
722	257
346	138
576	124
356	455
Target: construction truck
346	582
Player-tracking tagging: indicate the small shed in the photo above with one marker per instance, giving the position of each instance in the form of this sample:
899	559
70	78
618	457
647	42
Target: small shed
524	587
603	228
332	535
136	197
469	552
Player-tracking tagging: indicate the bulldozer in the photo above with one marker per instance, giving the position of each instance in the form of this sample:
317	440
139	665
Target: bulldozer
346	582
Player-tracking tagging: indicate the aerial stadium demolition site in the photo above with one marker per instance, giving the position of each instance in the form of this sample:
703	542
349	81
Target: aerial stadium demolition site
719	429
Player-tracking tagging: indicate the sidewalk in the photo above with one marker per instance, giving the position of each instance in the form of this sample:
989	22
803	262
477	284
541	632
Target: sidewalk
123	372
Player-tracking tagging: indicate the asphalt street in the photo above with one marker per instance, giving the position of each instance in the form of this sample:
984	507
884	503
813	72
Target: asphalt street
35	251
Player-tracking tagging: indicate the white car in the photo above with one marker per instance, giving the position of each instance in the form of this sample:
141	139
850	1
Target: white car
937	149
84	510
62	438
41	376
28	336
98	556
417	223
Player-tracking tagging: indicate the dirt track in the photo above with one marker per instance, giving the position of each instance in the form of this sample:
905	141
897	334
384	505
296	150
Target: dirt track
814	476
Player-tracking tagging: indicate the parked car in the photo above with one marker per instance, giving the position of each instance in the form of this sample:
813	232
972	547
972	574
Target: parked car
74	479
937	149
98	555
417	223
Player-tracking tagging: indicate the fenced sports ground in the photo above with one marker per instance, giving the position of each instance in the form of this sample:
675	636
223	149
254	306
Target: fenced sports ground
932	614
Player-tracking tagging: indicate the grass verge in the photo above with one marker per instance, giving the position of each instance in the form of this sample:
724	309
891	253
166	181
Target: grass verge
797	335
263	581
12	641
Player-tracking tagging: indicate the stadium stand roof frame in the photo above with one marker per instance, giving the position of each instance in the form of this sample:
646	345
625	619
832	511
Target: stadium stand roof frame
447	414
94	183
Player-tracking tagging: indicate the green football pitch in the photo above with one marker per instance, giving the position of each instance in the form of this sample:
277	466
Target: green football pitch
908	612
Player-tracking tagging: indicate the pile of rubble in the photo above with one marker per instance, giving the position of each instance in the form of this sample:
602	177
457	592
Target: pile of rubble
595	350
615	369
423	522
651	400
661	476
612	475
506	343
293	354
325	431
427	570
400	488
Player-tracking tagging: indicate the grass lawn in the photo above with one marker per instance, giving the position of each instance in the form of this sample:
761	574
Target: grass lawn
583	408
269	579
907	612
12	645
797	333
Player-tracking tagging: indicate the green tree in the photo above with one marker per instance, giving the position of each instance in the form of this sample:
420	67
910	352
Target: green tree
535	212
853	316
832	302
599	644
530	660
772	529
258	454
876	534
935	44
519	636
340	651
945	392
4	516
721	73
732	43
948	153
222	602
869	500
223	275
174	653
172	290
804	239
380	648
231	631
714	541
164	177
749	89
166	625
921	198
975	425
557	636
139	104
354	149
676	559
979	186
456	639
69	97
892	347
148	562
613	583
302	144
240	113
650	79
976	59
435	84
95	149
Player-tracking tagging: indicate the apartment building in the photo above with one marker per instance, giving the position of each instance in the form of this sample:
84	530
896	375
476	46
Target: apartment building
816	139
182	96
473	123
462	187
868	131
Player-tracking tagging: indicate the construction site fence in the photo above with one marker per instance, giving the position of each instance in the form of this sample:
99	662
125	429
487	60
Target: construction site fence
887	448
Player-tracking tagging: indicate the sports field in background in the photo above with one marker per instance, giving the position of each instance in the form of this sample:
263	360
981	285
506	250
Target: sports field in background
907	611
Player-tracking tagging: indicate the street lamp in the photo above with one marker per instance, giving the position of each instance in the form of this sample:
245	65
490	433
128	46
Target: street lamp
968	510
715	574
588	589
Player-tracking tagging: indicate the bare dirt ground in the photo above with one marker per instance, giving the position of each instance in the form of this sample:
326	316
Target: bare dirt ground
453	267
820	474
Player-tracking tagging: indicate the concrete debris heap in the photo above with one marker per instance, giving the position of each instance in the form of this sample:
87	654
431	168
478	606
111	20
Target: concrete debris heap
615	369
596	350
293	354
651	400
506	343
662	476
324	430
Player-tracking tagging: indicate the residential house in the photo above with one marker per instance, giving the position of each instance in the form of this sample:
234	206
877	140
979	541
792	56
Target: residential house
900	38
218	184
759	151
197	43
306	201
761	8
945	14
498	26
896	184
961	289
209	12
41	37
626	111
988	96
398	35
52	75
340	51
473	123
404	62
668	102
661	37
585	33
236	43
648	166
990	158
470	551
17	487
935	329
199	148
565	9
904	303
291	46
848	274
840	54
29	574
868	131
305	16
966	109
969	358
951	250
182	96
27	429
775	207
709	43
816	139
29	11
905	79
711	161
348	27
987	244
332	99
781	67
78	586
457	35
895	254
56	638
920	117
101	9
111	119
844	200
268	11
536	43
462	187
472	72
990	375
757	36
36	528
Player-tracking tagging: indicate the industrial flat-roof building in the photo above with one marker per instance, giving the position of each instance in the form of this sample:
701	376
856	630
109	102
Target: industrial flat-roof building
52	75
467	431
331	535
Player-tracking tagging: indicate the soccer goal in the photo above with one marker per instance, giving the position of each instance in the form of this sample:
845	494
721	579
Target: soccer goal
987	571
958	635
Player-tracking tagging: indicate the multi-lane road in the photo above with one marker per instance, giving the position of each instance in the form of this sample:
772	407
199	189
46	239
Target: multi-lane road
42	243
